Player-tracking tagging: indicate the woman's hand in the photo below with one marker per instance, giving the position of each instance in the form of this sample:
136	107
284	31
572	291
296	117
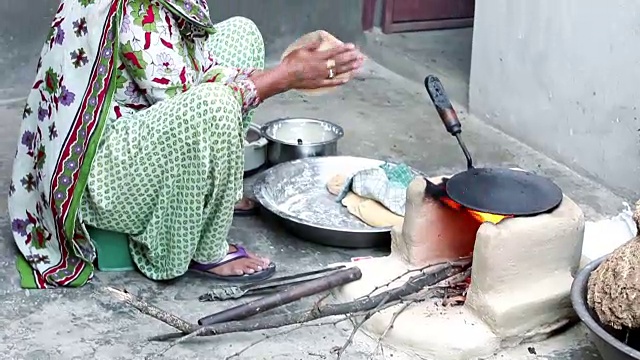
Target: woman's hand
309	68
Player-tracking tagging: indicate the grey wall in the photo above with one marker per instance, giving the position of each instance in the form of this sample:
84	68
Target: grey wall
564	77
24	25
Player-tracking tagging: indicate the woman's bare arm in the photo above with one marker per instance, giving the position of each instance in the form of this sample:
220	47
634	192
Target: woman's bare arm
271	82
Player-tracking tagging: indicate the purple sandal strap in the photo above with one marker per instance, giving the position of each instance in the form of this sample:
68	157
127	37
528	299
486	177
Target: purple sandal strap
240	253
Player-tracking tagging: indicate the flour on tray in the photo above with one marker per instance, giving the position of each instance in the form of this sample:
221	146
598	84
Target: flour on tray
320	208
302	194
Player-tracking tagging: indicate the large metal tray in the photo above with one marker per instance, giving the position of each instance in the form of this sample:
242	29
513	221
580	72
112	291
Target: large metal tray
296	193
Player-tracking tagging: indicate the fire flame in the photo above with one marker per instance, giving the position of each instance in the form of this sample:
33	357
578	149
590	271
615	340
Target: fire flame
480	216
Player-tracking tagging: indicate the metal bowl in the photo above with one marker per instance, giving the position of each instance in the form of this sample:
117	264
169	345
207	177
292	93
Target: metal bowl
296	193
607	340
255	150
300	138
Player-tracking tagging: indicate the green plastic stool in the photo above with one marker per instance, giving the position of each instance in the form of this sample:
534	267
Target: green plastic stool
113	250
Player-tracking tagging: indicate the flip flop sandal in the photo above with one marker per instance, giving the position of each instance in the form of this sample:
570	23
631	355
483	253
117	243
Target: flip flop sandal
240	253
247	212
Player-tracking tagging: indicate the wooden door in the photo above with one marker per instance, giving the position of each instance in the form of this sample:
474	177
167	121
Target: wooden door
415	15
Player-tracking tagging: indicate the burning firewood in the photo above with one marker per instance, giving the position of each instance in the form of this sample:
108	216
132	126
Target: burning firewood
614	287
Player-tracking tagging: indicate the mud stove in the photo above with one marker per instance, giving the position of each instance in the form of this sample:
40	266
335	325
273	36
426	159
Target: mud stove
519	288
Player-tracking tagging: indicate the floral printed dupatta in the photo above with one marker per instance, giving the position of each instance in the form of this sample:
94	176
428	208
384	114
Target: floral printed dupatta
61	128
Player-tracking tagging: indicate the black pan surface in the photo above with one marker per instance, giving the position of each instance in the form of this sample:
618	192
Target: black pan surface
504	191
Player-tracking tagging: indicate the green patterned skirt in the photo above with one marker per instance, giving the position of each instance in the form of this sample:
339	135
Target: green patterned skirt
169	175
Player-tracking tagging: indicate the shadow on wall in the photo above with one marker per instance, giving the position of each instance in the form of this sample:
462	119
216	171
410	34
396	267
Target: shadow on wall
24	25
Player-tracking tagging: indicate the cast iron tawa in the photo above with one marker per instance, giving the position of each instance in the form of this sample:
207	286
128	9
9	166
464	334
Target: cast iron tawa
504	191
491	190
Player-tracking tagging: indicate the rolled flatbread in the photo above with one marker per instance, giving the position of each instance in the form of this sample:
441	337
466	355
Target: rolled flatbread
328	42
371	212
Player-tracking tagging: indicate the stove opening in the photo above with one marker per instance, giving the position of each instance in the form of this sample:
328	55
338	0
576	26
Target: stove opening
480	216
457	293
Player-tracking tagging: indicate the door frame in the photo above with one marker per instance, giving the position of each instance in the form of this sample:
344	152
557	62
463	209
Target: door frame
389	27
368	14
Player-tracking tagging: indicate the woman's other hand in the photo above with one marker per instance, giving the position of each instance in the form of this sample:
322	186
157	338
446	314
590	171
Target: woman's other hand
308	68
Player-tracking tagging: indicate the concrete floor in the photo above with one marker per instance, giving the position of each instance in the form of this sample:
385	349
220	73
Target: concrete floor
414	55
386	117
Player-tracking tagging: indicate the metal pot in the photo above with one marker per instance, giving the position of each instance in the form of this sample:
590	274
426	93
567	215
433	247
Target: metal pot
255	151
299	138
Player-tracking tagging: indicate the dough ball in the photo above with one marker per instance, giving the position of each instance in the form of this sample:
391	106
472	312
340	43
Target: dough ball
336	183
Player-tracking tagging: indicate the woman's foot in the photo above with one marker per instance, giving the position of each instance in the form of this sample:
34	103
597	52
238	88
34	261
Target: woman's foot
241	266
245	207
237	266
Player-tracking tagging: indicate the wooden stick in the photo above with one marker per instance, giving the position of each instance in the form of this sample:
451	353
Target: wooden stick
157	313
415	284
291	294
459	262
357	327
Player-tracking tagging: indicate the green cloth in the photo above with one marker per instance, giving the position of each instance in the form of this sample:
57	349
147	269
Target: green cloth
400	174
28	278
386	184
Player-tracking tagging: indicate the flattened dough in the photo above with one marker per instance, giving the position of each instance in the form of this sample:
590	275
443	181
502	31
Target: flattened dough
328	42
369	211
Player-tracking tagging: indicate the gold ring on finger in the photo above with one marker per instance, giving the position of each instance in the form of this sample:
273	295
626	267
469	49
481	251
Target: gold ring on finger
331	73
331	64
